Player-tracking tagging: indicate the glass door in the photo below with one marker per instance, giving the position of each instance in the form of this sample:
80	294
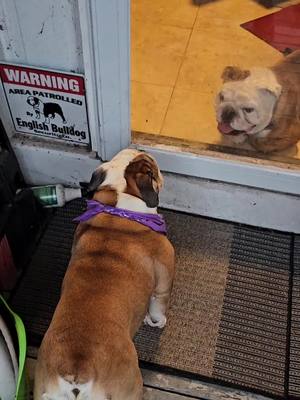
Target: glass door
214	97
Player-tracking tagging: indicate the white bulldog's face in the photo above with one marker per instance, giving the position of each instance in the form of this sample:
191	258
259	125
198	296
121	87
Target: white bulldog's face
246	102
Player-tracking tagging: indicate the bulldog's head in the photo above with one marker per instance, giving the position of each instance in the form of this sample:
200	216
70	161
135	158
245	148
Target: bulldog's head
32	101
129	173
246	101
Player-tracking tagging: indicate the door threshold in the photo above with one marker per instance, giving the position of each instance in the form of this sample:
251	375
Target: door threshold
281	160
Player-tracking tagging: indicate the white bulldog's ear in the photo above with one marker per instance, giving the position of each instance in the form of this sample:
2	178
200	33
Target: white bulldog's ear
274	89
265	79
275	93
234	74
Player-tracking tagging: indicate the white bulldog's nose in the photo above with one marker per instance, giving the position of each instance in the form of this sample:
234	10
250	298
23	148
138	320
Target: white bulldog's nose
228	114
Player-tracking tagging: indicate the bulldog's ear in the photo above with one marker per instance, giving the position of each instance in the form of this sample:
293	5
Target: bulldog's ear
142	179
276	92
271	87
145	185
97	179
234	74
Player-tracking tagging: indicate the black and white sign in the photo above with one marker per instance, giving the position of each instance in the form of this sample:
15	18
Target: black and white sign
46	103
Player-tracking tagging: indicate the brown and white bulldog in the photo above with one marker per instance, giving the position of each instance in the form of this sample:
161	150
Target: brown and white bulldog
120	273
261	105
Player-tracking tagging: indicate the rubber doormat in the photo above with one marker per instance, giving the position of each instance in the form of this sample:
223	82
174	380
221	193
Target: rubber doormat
230	318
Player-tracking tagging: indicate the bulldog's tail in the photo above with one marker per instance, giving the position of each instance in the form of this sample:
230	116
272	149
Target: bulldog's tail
67	389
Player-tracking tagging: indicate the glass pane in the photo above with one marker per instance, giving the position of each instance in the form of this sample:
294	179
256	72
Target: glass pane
182	90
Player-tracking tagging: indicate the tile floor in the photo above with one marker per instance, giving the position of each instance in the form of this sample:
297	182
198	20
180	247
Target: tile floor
179	49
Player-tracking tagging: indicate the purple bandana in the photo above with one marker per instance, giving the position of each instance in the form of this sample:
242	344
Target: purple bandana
154	221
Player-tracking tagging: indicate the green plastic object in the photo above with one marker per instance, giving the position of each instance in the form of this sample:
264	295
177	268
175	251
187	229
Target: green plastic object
22	392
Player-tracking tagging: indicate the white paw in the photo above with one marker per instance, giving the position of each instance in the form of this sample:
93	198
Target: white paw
160	323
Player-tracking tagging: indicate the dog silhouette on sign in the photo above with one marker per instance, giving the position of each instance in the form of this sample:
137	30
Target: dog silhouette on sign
49	110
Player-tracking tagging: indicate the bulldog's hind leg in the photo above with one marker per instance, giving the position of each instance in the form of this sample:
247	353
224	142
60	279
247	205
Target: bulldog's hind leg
126	382
164	274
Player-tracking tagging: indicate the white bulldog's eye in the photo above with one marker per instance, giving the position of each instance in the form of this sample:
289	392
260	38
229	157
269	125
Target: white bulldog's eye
221	97
248	110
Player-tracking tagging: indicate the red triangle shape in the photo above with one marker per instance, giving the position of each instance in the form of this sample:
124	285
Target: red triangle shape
280	29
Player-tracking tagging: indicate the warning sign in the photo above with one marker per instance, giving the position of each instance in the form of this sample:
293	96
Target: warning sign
46	103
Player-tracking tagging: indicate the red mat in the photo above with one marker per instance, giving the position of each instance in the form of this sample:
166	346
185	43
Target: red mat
281	29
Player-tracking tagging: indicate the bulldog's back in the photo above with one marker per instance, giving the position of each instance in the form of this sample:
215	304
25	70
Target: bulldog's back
107	286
